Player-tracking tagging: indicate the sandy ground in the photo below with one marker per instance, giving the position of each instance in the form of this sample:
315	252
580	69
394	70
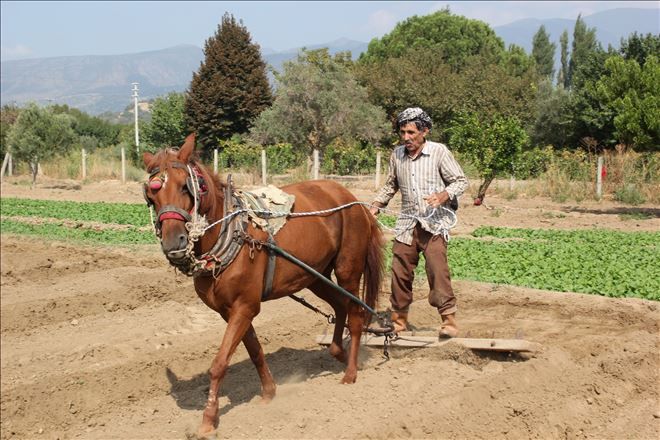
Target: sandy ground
107	342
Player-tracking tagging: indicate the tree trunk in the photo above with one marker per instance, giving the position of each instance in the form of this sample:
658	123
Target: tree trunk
481	194
34	167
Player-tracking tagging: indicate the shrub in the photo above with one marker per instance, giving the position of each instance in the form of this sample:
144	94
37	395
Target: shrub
344	158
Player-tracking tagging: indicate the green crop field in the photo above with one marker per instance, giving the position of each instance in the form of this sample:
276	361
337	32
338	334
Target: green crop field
603	262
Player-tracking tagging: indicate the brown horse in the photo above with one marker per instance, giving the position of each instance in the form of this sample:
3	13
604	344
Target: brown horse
347	241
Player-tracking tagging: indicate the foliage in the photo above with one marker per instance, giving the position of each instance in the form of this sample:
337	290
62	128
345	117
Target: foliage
516	62
8	116
562	75
640	47
584	43
543	52
492	146
62	232
167	127
116	213
230	88
454	37
346	158
553	124
317	101
91	126
610	263
631	93
38	134
630	194
533	162
238	154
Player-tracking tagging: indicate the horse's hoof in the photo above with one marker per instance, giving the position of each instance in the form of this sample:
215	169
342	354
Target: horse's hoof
205	431
349	379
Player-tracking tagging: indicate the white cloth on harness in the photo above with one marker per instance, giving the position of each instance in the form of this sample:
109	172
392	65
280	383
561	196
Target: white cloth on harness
271	199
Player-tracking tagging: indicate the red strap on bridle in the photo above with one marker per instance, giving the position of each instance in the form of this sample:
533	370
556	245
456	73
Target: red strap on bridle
171	215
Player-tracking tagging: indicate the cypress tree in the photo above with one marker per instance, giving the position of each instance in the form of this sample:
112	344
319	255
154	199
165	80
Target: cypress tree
543	52
230	89
562	78
584	44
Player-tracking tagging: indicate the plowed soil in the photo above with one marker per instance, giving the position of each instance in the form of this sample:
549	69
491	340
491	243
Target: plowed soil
109	343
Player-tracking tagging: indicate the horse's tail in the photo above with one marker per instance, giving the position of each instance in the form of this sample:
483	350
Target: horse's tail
374	267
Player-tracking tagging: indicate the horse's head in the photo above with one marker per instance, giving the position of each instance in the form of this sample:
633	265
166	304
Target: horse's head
174	189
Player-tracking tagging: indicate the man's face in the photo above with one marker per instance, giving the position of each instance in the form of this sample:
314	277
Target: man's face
412	137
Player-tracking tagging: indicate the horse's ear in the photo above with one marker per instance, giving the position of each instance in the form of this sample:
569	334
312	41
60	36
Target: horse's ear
147	158
187	148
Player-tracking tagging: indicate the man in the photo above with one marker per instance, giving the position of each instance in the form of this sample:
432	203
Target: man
428	177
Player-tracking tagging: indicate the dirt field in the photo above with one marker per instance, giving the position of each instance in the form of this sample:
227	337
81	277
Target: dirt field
102	343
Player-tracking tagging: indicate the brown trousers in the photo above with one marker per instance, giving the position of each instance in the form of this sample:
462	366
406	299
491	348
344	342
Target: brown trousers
404	261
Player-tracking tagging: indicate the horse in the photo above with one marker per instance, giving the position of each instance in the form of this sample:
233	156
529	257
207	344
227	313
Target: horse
230	263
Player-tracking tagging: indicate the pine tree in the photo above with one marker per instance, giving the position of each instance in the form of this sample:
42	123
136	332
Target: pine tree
562	78
543	52
230	89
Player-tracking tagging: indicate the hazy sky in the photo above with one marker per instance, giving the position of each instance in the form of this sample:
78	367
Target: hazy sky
48	29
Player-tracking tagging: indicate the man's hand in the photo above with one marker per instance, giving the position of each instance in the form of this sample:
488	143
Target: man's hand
374	210
437	199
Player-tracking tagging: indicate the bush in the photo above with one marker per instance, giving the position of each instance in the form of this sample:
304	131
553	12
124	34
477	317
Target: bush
347	158
629	194
238	154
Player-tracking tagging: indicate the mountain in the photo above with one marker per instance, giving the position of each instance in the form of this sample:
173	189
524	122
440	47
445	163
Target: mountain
99	84
611	26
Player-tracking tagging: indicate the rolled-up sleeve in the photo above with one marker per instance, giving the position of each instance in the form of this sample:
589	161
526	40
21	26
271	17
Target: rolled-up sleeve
453	175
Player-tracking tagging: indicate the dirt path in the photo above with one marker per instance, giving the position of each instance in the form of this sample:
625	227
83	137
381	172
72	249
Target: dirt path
102	343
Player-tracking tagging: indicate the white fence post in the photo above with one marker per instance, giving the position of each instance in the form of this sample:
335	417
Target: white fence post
84	164
123	165
5	162
599	178
316	164
10	169
215	161
263	166
377	170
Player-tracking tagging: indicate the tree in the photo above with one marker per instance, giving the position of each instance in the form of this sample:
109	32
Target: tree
455	38
562	76
86	125
8	116
639	47
38	134
167	126
230	88
584	44
553	124
317	101
632	92
492	146
543	52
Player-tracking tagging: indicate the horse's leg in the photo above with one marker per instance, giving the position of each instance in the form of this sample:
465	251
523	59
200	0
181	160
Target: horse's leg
329	295
253	347
237	325
355	325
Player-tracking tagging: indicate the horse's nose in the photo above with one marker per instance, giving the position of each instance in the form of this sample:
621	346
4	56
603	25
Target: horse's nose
176	243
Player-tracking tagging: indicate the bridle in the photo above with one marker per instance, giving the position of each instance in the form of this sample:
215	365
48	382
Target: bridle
195	185
230	238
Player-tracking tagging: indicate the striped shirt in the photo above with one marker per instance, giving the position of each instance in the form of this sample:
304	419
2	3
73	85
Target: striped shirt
433	170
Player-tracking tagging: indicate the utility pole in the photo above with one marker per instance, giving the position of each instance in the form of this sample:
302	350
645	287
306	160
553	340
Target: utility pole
137	136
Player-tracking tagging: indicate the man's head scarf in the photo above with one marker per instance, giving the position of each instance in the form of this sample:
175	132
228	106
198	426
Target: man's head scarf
414	114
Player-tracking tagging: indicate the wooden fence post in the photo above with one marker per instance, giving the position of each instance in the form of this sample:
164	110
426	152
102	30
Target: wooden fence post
378	154
123	165
10	169
316	165
263	166
215	161
84	164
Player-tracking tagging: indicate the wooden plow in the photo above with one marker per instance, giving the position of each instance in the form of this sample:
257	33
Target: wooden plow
412	340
